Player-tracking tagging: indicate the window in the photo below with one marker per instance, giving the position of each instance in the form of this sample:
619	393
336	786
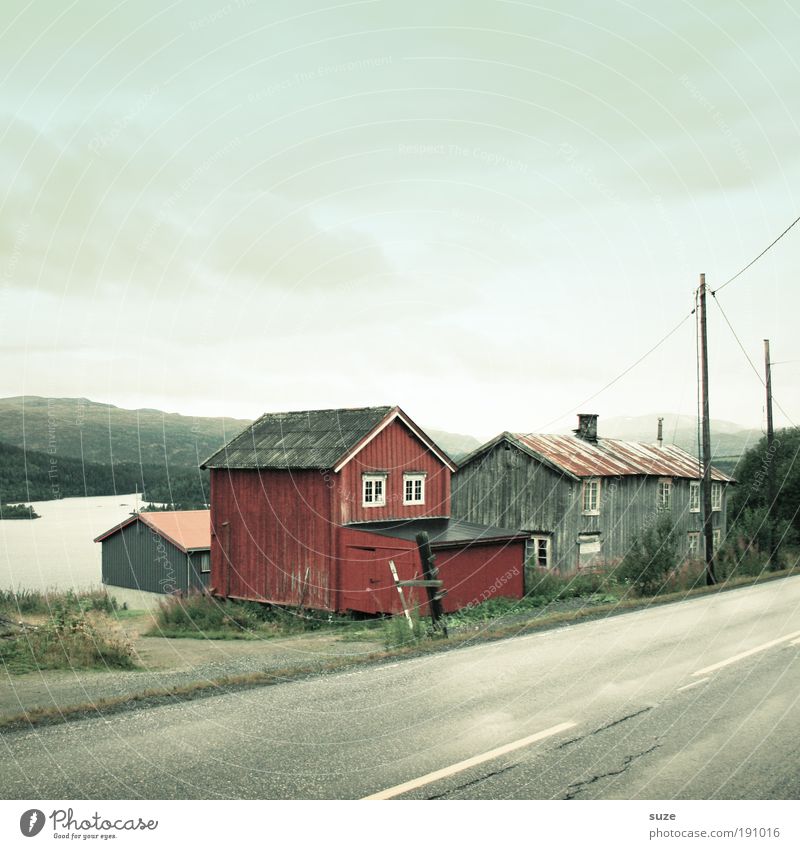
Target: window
716	496
205	561
664	493
538	552
694	544
373	490
591	497
589	550
413	489
716	536
694	496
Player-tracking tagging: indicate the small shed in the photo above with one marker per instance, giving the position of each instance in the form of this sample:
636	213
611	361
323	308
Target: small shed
159	552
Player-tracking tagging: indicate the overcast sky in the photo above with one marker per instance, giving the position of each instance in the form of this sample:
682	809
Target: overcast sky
482	211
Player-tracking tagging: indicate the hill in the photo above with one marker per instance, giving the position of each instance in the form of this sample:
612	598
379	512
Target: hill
100	433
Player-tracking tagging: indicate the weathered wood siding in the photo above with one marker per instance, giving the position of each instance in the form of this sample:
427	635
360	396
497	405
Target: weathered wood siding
395	450
272	536
138	558
507	487
471	573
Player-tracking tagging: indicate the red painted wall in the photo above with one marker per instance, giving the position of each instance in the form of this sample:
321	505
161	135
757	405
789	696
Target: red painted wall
279	540
394	450
471	574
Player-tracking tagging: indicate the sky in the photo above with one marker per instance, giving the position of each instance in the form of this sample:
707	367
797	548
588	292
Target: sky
482	211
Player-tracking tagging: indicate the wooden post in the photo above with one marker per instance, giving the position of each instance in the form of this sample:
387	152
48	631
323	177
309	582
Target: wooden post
400	592
430	573
772	542
708	525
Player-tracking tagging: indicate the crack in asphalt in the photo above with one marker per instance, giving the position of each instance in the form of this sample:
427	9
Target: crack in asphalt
604	727
471	783
578	786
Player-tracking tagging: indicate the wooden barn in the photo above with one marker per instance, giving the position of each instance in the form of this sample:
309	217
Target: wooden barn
309	508
159	552
583	499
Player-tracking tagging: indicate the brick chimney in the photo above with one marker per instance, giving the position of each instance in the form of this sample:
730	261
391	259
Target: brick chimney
587	427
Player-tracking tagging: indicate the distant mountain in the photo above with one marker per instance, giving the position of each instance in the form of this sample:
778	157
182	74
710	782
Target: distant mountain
98	433
456	445
160	452
728	440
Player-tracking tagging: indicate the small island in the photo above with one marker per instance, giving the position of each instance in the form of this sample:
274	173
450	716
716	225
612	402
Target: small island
18	511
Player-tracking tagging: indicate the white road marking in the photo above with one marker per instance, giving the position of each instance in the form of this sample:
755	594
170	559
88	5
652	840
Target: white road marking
694	684
470	762
744	654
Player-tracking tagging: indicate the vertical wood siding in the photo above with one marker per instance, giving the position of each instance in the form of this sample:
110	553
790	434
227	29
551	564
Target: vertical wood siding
395	450
138	558
510	489
471	573
277	545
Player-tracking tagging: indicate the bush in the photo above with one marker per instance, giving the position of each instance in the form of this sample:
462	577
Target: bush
22	602
202	615
651	558
69	640
398	633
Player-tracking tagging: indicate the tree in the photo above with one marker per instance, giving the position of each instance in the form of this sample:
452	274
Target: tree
651	557
751	517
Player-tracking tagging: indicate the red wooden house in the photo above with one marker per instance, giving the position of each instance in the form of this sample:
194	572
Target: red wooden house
308	508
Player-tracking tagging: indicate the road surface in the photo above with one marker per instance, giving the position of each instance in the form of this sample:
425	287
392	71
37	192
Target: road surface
695	700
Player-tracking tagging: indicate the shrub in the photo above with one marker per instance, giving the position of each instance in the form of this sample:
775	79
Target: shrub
69	640
651	558
203	614
398	633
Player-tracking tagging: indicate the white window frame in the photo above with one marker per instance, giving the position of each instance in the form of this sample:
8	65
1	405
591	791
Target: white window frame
664	487
535	547
373	478
205	562
694	496
694	544
413	478
587	484
716	496
716	538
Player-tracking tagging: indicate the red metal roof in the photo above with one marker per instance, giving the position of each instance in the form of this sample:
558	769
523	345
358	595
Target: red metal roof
189	530
611	457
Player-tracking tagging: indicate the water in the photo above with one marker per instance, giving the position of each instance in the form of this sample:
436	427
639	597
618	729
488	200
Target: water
56	551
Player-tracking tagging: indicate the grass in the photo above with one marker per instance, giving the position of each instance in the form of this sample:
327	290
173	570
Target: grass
73	630
201	689
201	616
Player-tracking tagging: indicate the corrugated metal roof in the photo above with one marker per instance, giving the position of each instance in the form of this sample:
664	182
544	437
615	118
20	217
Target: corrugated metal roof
189	530
309	439
441	531
611	457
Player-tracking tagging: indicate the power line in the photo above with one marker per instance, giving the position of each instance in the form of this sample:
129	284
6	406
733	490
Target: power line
752	262
622	373
752	365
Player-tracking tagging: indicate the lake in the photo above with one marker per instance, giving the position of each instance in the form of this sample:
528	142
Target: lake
56	551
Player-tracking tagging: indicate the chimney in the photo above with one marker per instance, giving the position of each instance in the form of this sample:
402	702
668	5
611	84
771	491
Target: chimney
587	427
660	432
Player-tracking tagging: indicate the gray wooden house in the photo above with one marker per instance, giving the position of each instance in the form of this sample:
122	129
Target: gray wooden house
159	552
584	499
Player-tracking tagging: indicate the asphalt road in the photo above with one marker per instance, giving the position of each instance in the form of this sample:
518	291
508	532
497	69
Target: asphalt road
697	700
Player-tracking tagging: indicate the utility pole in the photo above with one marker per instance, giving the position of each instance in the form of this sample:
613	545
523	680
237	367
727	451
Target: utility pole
772	548
708	528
